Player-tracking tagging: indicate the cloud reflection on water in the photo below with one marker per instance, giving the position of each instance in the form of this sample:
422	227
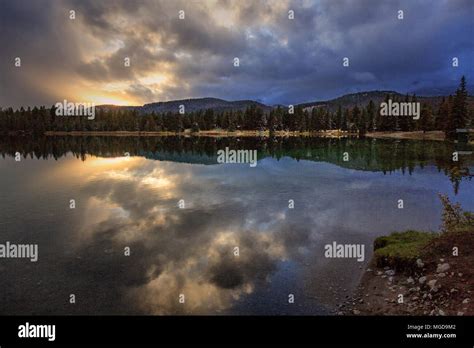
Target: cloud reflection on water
190	251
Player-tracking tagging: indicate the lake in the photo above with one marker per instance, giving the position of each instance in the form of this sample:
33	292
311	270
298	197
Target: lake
157	226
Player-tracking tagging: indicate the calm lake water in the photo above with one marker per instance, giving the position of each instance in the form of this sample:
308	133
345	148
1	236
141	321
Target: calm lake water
133	202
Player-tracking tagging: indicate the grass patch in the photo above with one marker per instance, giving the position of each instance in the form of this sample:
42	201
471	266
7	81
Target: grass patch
400	250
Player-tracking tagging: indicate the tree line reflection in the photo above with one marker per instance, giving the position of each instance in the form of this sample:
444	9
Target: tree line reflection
366	154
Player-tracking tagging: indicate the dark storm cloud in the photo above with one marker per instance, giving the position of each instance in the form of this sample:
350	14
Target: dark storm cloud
112	68
35	32
281	60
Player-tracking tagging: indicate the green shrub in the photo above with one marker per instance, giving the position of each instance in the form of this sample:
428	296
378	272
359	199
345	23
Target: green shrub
400	250
454	218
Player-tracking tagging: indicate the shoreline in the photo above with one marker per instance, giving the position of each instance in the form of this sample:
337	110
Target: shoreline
437	283
416	135
209	133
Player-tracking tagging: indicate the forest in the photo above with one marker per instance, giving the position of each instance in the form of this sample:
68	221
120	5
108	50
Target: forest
452	113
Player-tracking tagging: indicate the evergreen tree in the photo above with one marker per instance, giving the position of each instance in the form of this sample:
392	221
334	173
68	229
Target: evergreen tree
371	116
346	115
338	118
426	118
459	114
443	115
403	122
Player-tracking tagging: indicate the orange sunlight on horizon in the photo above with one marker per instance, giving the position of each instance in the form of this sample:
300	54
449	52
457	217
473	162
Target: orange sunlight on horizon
116	93
105	99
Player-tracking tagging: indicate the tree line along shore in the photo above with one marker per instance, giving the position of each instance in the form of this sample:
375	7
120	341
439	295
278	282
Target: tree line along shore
452	113
414	135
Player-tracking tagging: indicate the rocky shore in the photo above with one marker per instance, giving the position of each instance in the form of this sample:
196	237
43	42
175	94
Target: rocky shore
420	273
438	286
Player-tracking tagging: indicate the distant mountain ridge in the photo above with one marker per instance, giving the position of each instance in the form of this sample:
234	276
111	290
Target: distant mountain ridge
219	105
351	100
197	104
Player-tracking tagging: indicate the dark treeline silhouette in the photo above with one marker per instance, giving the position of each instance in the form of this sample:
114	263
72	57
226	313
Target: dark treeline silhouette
367	154
452	113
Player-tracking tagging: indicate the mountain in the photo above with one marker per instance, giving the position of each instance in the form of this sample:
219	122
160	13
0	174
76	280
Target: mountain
351	100
201	104
441	90
219	105
363	98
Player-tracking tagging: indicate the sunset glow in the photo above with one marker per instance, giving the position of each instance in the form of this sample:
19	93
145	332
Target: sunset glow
142	53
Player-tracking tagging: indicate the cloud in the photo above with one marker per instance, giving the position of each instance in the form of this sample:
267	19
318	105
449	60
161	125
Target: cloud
281	60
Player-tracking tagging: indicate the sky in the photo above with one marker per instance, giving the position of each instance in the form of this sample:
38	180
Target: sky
281	60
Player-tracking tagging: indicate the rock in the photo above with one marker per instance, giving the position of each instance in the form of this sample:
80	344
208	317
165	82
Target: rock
419	263
369	270
390	272
460	274
410	280
422	280
442	267
466	301
441	312
356	312
460	314
390	279
454	290
340	313
379	273
441	275
441	260
432	284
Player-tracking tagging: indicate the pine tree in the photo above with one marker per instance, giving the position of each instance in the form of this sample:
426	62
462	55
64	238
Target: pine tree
459	113
362	124
426	118
345	119
443	115
260	119
403	122
371	117
338	118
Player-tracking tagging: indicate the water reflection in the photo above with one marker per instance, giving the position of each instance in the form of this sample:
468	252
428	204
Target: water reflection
133	202
364	154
